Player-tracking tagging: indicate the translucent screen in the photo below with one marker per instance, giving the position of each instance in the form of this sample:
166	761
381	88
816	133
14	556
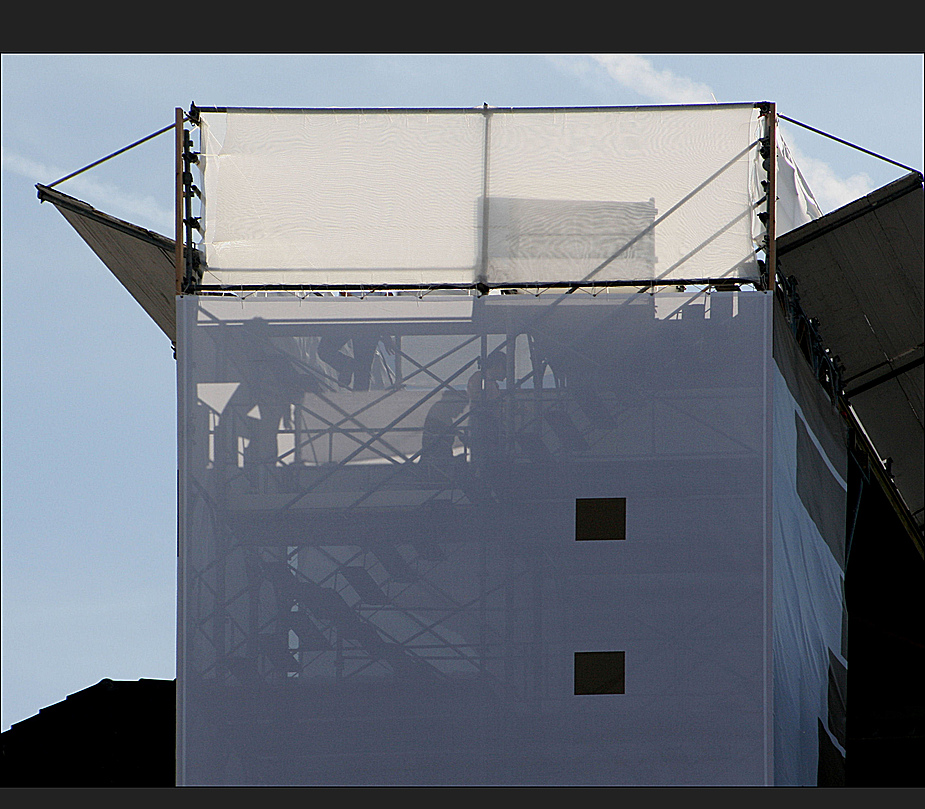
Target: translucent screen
496	540
498	196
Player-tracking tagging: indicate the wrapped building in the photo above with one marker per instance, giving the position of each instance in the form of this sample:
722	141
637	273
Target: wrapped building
504	458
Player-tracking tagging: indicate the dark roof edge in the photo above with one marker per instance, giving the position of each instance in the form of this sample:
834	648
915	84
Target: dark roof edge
46	194
847	213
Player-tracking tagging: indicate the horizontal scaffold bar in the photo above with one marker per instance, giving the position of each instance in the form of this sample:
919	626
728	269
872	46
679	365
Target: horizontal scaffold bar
532	287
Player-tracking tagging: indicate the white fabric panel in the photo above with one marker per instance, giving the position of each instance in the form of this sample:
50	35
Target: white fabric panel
591	183
405	197
380	578
341	197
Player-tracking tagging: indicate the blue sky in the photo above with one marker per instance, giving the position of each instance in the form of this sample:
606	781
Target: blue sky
88	395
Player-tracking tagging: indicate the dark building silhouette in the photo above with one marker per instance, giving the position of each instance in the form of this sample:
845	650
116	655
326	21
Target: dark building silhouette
112	734
885	596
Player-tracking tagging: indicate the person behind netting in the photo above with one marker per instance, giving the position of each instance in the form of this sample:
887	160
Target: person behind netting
441	427
273	379
353	370
484	395
356	368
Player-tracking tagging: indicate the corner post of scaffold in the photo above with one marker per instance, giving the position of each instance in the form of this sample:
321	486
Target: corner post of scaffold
179	258
772	200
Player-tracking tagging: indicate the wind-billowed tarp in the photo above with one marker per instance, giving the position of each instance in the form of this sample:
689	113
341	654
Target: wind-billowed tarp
475	540
497	196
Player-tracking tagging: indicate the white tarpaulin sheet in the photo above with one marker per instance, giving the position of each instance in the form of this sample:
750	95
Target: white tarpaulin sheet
419	197
457	540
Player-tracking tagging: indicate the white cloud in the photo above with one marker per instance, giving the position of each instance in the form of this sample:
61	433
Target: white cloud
662	86
637	73
144	211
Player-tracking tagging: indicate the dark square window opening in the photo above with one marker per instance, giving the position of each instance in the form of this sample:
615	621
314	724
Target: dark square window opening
600	518
600	673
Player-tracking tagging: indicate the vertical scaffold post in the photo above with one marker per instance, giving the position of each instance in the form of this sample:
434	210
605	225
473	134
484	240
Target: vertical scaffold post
772	198
189	157
179	262
482	281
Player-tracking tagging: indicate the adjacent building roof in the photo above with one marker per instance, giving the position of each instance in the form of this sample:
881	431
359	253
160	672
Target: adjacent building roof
860	273
141	259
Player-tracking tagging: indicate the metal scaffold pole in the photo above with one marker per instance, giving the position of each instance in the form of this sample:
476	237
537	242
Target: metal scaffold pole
772	197
178	206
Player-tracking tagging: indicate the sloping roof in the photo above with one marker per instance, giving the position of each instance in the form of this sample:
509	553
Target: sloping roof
860	272
141	259
117	733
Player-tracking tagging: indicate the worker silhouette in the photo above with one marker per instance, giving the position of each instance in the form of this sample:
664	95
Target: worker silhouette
484	394
273	378
353	371
441	428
